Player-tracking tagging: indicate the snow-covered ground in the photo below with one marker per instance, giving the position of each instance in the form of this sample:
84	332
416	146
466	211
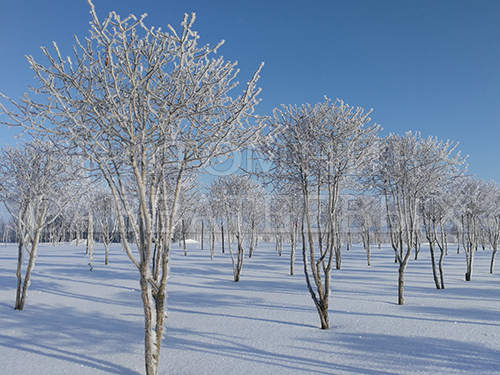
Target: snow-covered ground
78	321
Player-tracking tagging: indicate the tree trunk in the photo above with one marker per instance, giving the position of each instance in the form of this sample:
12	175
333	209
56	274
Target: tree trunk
469	261
323	315
433	262
253	236
239	261
90	237
401	283
441	272
212	243
18	273
444	237
202	233
469	256
184	237
468	274
27	277
279	241
470	246
222	231
337	244
106	251
417	245
321	297
338	255
492	263
293	247
367	246
151	352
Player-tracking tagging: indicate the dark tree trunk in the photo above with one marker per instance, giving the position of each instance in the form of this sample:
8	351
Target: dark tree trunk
492	263
222	231
401	284
441	272
433	262
18	272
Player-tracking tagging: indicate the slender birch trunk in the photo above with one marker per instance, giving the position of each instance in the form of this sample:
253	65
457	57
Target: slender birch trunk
320	297
90	237
293	247
20	249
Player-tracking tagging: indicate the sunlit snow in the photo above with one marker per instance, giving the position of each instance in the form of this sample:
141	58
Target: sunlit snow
78	321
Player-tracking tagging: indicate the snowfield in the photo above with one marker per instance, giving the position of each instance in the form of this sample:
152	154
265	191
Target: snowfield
78	321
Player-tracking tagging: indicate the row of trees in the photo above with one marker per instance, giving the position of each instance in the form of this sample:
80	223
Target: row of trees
123	127
465	211
50	195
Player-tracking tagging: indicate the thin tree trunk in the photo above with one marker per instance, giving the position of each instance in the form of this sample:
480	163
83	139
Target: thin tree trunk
441	272
239	260
212	243
469	262
401	283
21	295
90	237
492	263
323	318
338	254
321	300
252	241
469	257
293	247
27	277
106	252
222	231
433	262
367	246
151	351
202	232
18	272
471	245
184	237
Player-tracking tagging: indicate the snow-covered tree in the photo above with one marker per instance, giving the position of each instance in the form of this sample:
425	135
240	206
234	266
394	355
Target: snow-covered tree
142	104
286	208
279	217
75	215
89	248
255	215
36	183
408	169
435	209
366	214
236	195
210	213
490	219
104	210
473	196
319	148
188	206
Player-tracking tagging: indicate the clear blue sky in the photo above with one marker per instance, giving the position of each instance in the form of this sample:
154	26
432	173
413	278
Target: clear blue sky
430	65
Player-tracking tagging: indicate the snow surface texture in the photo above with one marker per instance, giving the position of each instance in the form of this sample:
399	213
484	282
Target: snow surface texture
78	321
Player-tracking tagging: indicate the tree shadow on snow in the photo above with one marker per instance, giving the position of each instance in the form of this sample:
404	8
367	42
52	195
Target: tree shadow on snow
45	330
224	347
414	354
